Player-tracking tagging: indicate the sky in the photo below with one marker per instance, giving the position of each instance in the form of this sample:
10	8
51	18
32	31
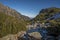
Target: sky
30	8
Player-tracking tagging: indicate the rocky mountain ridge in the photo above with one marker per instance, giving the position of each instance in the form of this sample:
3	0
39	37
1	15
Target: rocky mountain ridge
11	21
12	12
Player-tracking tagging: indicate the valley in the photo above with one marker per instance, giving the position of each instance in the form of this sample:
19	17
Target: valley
15	26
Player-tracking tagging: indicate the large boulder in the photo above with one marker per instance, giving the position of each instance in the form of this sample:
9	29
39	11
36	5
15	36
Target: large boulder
35	35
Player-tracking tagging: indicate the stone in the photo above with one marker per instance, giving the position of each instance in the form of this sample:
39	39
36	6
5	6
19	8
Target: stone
20	34
9	37
13	36
35	35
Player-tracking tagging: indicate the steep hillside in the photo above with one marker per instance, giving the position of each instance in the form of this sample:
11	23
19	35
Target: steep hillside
11	21
47	13
53	25
12	12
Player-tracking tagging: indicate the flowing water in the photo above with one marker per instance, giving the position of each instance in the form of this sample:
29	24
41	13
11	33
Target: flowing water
41	30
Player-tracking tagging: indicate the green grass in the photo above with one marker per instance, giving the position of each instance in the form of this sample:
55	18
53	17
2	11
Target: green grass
10	25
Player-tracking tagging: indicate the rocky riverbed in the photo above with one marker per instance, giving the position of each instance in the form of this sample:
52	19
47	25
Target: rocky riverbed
19	36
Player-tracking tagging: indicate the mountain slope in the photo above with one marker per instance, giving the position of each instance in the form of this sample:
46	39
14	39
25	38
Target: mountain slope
54	24
12	12
47	13
11	21
44	14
